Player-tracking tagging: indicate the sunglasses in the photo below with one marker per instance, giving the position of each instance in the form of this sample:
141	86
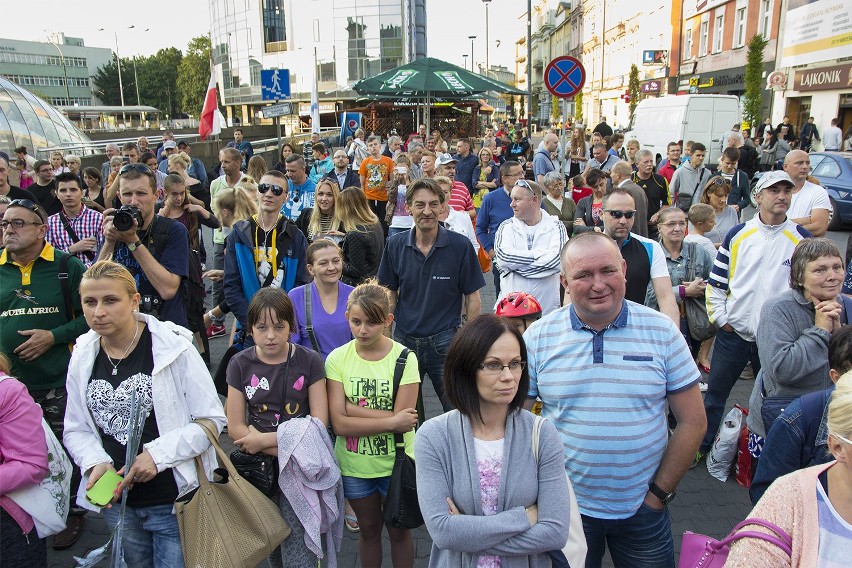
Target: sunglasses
32	206
276	189
616	214
141	168
841	438
526	184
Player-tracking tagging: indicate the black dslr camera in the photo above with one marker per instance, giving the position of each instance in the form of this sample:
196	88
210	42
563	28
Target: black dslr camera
123	218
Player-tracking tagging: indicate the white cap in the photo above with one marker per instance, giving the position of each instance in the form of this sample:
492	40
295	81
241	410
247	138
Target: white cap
772	178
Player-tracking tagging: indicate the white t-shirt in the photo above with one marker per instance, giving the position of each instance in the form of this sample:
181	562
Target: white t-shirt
702	242
459	222
811	196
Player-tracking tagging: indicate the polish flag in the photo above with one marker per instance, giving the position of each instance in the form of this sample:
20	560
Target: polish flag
209	123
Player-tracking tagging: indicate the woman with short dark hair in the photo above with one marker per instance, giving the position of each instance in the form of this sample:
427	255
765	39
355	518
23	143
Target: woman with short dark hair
486	498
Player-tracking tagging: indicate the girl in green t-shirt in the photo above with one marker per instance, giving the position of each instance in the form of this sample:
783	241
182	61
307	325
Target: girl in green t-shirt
365	417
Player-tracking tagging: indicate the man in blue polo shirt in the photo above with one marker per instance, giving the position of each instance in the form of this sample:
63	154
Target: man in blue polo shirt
496	208
646	261
626	361
429	271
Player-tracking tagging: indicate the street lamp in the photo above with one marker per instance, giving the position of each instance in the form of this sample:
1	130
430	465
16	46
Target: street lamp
471	38
118	64
487	66
64	68
464	55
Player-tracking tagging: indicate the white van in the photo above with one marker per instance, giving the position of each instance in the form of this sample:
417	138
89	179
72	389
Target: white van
700	118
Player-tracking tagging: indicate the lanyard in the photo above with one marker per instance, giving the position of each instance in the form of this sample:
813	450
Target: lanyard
257	252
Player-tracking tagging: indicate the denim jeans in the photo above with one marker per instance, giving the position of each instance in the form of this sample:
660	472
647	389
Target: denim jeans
151	536
645	539
431	352
731	354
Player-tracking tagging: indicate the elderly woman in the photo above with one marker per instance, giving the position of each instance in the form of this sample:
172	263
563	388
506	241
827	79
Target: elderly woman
689	265
715	194
485	498
810	505
589	213
555	203
793	335
127	352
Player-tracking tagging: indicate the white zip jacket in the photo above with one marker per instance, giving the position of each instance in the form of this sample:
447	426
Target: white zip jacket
182	391
752	265
528	258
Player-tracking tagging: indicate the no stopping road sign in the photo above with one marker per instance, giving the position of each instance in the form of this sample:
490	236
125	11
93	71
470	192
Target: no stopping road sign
564	76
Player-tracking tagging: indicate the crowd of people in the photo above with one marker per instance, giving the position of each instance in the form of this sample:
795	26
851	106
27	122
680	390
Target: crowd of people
631	296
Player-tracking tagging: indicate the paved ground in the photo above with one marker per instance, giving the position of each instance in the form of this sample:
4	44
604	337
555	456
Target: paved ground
703	504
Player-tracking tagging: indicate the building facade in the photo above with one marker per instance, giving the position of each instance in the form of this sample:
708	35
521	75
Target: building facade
337	41
59	71
711	45
815	77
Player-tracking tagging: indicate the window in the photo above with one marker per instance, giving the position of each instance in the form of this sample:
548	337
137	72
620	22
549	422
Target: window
718	33
764	24
274	28
687	43
827	168
740	27
703	37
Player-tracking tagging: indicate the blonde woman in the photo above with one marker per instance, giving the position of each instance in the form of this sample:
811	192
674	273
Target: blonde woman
322	221
257	167
178	164
364	240
397	217
486	177
129	352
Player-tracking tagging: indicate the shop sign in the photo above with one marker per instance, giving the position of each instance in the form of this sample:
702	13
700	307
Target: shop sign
823	78
650	86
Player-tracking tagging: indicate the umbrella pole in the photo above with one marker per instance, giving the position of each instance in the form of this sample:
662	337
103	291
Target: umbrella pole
428	112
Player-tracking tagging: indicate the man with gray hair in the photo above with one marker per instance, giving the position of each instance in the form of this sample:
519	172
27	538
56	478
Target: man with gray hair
620	176
415	154
393	147
111	151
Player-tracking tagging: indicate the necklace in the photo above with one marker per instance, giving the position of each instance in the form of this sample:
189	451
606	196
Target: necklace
126	351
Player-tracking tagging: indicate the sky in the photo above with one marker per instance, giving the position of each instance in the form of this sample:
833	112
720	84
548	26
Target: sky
448	27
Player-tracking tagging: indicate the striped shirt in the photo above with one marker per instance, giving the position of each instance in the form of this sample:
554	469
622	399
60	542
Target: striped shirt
89	223
606	394
460	199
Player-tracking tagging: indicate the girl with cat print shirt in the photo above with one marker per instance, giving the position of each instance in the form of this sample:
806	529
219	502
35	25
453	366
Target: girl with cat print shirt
275	380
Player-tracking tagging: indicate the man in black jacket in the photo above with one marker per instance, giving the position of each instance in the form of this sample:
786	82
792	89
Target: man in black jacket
342	174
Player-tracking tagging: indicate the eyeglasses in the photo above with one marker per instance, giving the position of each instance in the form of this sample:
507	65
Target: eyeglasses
841	438
276	189
673	224
18	223
141	168
616	214
32	206
495	368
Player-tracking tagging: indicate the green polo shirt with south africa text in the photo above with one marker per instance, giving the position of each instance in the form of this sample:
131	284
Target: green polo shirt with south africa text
31	298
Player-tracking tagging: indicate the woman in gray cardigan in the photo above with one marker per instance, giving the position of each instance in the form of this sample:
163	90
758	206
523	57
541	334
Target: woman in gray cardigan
793	334
481	493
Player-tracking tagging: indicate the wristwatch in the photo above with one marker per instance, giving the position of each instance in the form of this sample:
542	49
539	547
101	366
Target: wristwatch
133	246
663	496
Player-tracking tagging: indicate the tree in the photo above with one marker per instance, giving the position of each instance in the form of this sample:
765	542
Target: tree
193	75
522	113
554	108
753	99
578	107
106	81
158	80
633	89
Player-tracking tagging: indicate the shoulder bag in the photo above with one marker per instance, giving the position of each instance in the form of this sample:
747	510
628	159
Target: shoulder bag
261	470
47	503
574	551
309	319
700	551
683	201
227	522
700	326
66	224
401	509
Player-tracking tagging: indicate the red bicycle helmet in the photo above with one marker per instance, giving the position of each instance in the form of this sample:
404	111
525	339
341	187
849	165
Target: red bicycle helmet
518	305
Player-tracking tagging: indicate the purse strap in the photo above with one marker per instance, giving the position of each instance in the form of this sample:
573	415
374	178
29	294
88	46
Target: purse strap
399	368
210	429
309	318
780	539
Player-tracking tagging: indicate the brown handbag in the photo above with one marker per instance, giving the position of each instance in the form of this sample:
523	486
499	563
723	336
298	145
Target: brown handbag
227	523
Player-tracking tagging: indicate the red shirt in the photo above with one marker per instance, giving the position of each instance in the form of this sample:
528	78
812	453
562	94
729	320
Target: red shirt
460	197
667	171
578	193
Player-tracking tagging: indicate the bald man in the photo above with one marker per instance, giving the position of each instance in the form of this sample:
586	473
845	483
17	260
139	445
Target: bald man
811	208
543	161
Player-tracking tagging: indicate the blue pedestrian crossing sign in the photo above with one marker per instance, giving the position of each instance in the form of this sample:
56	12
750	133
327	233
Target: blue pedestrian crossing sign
274	84
564	77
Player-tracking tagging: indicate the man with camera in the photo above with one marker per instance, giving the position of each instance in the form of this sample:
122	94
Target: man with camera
154	249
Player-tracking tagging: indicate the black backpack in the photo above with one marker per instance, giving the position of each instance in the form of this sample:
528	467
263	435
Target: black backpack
192	287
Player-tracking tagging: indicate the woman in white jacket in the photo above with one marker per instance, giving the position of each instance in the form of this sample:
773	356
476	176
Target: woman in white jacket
125	352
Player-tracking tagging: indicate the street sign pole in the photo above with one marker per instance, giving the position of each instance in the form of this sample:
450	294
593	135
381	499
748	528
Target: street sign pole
566	139
278	128
564	77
